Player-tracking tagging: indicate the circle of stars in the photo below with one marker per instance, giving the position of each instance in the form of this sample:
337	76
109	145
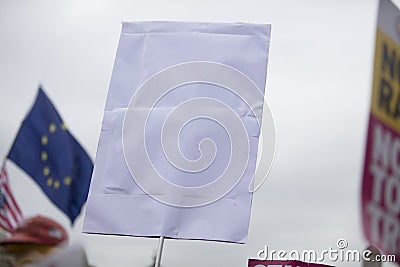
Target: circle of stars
50	181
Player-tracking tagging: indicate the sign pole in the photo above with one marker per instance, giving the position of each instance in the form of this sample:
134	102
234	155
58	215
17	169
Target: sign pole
159	252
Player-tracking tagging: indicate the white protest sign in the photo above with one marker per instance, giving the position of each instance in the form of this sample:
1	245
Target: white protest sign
178	147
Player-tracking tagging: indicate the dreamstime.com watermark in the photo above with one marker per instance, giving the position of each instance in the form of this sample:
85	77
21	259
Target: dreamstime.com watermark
340	253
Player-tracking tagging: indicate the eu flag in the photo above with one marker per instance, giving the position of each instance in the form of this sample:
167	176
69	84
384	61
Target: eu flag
47	151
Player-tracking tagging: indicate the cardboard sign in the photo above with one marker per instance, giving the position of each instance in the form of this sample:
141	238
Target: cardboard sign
179	139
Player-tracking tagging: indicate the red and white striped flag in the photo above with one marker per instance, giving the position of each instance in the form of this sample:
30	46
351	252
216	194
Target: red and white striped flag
10	213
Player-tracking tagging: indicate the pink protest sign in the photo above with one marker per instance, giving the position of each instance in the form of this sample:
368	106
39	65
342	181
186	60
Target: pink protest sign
381	179
381	187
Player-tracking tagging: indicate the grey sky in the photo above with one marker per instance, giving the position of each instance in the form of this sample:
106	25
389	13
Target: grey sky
318	87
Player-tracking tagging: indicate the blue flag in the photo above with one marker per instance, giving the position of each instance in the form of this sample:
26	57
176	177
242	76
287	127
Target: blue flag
47	151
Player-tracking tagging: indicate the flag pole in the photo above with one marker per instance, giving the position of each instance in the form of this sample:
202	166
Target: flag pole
159	252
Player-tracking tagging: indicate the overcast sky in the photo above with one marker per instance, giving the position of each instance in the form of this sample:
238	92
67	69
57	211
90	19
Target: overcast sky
318	87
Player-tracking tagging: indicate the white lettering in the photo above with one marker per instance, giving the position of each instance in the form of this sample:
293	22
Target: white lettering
281	254
395	156
262	252
366	255
386	149
376	216
392	191
294	255
381	145
390	233
378	175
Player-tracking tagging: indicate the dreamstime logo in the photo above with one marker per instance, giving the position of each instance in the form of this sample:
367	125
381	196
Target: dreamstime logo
227	117
342	243
340	253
